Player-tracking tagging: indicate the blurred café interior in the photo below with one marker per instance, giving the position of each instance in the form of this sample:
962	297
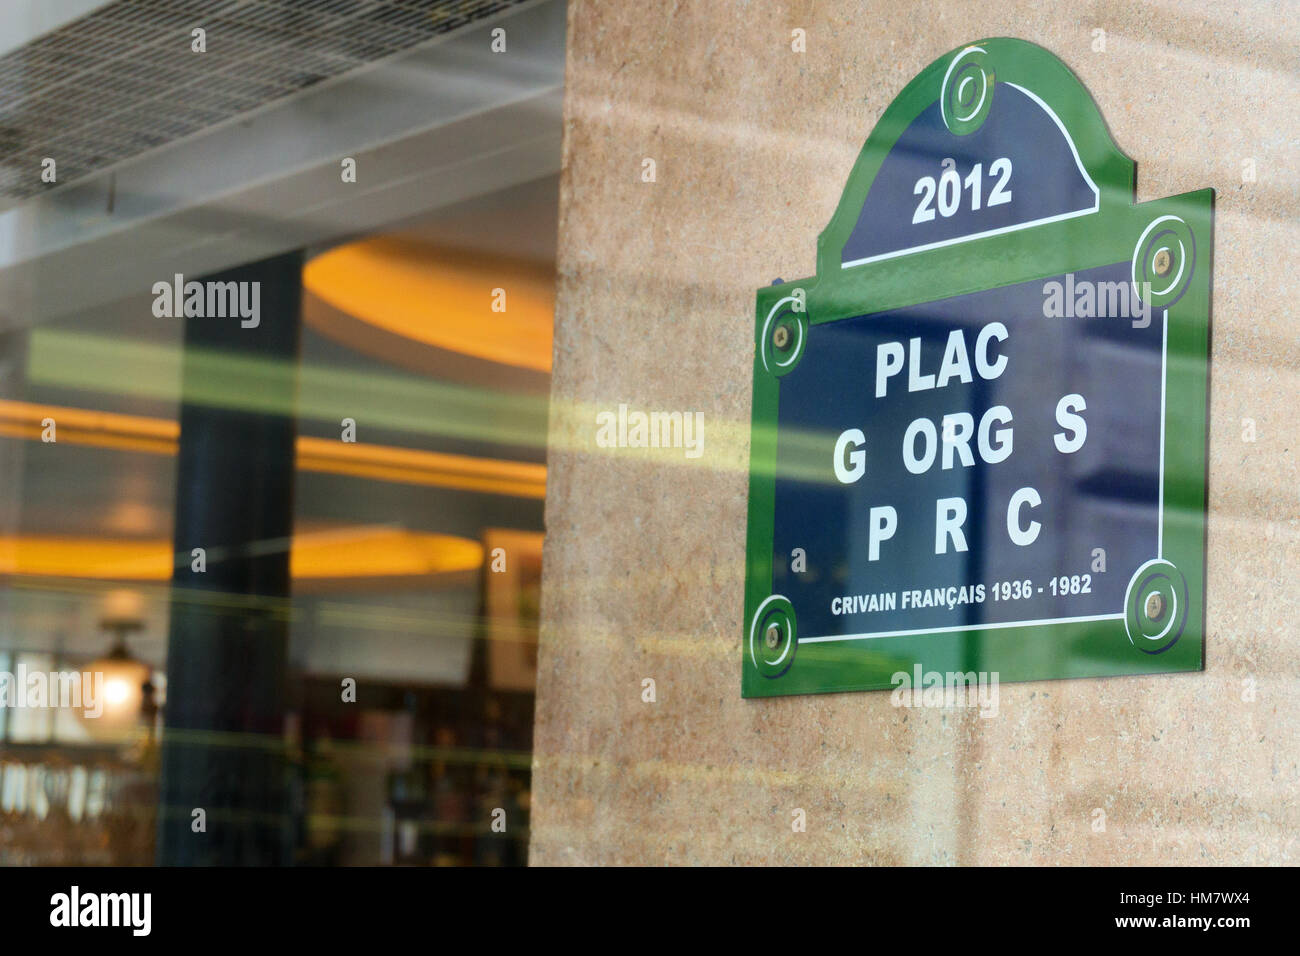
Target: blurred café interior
297	557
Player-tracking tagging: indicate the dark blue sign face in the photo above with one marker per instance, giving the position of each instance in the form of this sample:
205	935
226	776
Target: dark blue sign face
974	461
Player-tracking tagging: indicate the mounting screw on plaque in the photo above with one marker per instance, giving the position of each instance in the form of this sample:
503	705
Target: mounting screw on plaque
966	95
783	336
1163	261
1155	607
772	636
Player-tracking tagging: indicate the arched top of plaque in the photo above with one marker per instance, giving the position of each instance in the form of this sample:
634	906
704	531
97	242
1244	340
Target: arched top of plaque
993	138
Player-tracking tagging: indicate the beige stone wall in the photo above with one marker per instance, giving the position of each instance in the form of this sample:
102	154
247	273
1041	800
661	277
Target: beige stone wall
643	560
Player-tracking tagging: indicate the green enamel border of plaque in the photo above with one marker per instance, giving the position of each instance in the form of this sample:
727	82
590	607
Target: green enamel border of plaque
1058	650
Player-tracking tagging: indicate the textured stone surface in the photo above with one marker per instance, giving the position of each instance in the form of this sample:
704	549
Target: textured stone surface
644	554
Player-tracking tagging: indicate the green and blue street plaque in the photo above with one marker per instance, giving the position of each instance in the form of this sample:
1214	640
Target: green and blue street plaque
979	432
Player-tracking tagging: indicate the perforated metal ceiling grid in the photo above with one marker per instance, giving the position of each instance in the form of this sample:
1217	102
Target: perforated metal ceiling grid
124	79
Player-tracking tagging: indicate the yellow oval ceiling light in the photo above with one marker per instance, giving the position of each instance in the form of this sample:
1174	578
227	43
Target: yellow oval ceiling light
380	553
79	426
326	555
436	297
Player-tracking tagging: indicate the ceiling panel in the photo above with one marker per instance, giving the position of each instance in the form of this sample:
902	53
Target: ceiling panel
124	79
